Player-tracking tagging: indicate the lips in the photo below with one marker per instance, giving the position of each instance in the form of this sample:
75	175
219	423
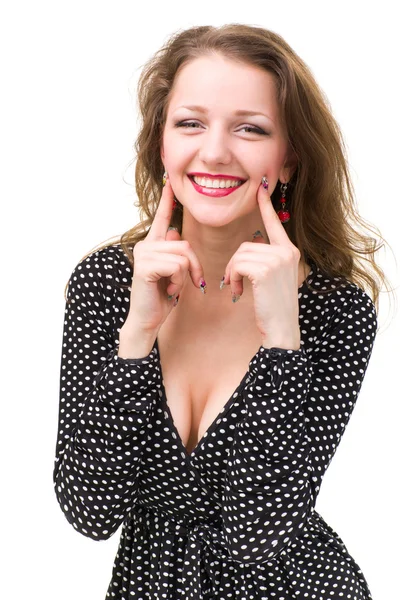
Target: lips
214	192
216	183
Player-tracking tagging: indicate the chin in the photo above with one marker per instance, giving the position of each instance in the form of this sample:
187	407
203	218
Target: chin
214	216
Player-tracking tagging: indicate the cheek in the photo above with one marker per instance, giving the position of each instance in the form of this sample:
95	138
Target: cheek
179	150
269	167
174	156
260	161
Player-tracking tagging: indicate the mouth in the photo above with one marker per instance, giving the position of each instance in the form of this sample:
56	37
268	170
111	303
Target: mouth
210	182
216	187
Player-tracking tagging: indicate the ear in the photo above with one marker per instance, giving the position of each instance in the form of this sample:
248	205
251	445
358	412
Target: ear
162	152
289	167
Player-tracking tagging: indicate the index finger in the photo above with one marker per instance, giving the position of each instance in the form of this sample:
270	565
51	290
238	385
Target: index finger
273	226
162	218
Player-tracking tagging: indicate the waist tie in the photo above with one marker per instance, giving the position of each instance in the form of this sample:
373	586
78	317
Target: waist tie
205	547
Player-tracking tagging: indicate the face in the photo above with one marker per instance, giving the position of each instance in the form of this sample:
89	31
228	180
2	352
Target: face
222	134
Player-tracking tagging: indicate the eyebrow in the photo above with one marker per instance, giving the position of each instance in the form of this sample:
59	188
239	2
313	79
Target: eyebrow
237	113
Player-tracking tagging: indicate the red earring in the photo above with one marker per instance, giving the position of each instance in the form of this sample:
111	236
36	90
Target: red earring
283	214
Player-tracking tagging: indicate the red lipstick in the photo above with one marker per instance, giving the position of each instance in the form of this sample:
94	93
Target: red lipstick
214	192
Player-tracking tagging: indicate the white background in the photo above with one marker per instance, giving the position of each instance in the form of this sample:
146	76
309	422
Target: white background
68	124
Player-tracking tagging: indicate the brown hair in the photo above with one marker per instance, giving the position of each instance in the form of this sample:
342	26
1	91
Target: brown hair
320	193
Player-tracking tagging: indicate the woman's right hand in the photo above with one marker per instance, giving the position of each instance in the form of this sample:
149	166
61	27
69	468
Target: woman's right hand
162	262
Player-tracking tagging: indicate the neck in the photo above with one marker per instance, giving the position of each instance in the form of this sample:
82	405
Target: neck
215	246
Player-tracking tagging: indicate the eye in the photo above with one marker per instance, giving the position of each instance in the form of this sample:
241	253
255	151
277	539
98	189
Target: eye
187	124
253	129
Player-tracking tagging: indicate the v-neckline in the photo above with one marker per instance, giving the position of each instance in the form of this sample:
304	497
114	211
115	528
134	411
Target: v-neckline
225	408
210	429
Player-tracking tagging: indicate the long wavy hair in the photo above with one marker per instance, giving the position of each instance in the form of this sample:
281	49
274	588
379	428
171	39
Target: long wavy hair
325	225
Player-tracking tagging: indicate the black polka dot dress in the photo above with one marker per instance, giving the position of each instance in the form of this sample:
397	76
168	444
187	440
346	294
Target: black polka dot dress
234	519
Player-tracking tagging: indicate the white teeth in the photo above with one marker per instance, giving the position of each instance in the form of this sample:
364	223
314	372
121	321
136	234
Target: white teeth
216	183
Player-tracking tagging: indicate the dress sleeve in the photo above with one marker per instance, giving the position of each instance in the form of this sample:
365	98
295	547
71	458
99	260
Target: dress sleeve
105	406
297	409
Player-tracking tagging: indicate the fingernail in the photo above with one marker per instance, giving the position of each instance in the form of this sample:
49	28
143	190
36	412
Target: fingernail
172	229
203	286
257	234
235	297
264	182
221	283
176	300
170	297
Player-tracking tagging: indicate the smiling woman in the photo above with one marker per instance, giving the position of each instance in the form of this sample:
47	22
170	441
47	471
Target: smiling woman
205	427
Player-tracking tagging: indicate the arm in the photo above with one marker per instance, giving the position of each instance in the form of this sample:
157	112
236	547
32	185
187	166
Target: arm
297	411
106	403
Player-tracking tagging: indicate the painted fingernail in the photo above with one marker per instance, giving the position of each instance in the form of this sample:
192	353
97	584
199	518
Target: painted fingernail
235	297
170	297
257	234
176	300
172	229
203	286
221	283
264	182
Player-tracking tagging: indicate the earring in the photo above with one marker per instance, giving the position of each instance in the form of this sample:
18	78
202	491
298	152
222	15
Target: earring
283	214
164	179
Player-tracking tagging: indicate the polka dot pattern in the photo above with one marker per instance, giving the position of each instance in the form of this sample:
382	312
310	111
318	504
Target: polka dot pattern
235	518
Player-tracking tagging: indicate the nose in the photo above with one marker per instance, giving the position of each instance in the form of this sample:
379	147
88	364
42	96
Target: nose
214	148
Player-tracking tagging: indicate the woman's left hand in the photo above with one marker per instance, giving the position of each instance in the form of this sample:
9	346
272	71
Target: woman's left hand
273	270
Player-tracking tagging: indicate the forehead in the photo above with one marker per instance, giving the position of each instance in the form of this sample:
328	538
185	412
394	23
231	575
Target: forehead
218	82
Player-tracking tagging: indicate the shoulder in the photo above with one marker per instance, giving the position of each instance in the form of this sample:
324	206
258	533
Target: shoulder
104	264
342	299
101	270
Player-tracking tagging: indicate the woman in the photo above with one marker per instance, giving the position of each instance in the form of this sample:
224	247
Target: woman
202	424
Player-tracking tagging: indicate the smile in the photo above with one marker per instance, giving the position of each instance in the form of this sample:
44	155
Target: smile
214	187
216	183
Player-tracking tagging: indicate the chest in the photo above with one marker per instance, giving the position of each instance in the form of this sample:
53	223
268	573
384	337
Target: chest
201	369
